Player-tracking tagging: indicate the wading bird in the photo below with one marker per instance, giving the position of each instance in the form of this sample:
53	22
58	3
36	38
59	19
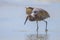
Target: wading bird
36	14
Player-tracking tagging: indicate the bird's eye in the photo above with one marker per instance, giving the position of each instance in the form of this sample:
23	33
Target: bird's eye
35	11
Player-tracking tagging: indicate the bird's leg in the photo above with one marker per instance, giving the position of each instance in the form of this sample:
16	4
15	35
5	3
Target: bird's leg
37	28
46	27
26	20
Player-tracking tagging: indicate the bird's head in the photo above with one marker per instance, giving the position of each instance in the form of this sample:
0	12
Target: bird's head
29	10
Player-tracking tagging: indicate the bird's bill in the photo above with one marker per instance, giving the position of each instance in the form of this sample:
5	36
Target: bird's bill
26	20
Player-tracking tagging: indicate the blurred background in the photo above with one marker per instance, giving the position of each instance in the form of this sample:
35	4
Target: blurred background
12	17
